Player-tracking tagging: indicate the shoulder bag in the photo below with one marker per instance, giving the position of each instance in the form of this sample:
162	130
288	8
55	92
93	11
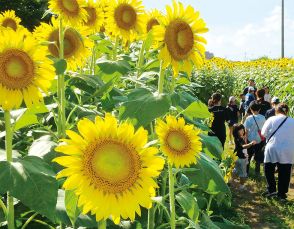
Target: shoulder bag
263	148
259	131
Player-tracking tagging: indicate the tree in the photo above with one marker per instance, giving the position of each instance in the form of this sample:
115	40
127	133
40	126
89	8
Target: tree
30	11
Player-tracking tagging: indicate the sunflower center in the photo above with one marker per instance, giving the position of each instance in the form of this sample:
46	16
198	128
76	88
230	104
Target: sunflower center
92	17
152	22
16	69
179	39
125	16
72	43
9	22
177	141
70	6
112	166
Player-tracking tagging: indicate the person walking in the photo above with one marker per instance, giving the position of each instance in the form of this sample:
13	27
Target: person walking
233	115
241	150
249	97
253	125
279	151
272	112
264	105
251	83
267	96
218	127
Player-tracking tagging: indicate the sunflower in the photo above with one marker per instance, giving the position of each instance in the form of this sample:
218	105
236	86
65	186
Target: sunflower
8	19
95	16
124	19
72	11
151	19
110	168
178	141
178	39
76	44
25	70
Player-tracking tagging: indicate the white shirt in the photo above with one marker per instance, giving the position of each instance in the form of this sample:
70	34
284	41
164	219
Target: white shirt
280	148
267	97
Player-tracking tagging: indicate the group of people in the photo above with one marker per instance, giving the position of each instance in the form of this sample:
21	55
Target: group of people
261	130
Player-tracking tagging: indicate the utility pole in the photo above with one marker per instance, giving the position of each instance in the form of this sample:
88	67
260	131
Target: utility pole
283	30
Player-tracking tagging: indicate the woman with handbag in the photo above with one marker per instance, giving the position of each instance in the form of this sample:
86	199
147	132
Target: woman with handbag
279	151
253	125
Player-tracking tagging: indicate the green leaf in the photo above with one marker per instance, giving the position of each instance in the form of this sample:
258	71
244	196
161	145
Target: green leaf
197	110
143	107
208	177
226	224
60	66
31	181
206	222
182	99
71	205
189	204
212	145
110	67
25	120
28	116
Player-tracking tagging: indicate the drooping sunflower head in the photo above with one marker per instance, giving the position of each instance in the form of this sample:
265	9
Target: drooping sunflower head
95	16
178	36
76	44
72	11
178	141
124	19
8	19
152	19
110	168
25	71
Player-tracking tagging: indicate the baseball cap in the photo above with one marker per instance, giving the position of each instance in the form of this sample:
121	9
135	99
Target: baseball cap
275	100
232	99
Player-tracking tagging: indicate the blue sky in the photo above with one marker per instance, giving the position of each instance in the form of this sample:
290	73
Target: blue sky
242	29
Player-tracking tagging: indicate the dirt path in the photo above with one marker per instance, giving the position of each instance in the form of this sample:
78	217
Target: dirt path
251	208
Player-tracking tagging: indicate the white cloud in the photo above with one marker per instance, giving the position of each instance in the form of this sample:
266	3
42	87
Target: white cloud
252	40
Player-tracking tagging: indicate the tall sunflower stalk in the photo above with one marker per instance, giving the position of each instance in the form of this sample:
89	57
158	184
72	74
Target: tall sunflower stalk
25	72
61	87
8	145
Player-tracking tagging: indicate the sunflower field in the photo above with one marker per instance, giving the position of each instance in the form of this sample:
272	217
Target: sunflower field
103	122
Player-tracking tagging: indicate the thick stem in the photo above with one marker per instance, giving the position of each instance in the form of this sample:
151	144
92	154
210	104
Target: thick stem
151	214
172	197
8	139
102	224
29	220
61	87
161	79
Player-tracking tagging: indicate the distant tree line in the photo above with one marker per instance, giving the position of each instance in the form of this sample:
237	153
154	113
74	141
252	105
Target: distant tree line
30	11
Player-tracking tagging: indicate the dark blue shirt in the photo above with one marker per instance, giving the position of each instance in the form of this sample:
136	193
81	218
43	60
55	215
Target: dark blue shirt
248	99
270	113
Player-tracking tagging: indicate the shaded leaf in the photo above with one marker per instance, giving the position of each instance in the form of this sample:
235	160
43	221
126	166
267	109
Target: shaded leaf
32	181
189	204
143	107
